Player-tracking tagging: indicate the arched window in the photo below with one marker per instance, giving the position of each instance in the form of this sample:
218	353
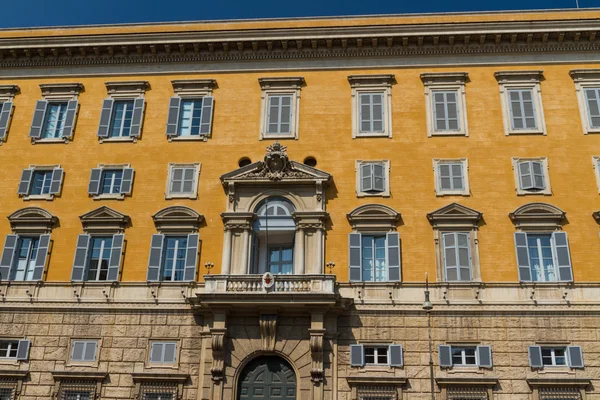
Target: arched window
273	238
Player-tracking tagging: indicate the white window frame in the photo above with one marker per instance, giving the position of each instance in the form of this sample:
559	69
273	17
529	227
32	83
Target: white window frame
10	359
585	79
54	93
386	168
124	91
194	194
521	192
280	86
194	89
553	356
110	196
377	347
361	84
521	80
35	167
464	357
446	82
473	247
596	166
436	174
154	364
95	363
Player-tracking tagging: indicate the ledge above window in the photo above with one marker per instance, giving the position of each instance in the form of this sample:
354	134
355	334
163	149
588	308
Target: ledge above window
519	76
127	88
32	220
432	78
382	80
194	87
8	92
104	220
455	216
177	219
65	91
538	217
290	82
373	218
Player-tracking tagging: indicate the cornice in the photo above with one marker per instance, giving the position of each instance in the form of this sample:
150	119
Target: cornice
580	75
9	90
371	80
285	82
429	78
295	43
467	381
127	86
525	75
49	89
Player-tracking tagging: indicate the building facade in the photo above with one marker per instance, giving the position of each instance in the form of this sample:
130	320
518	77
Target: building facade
261	209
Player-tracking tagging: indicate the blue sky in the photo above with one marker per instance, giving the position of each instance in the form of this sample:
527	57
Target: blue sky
29	13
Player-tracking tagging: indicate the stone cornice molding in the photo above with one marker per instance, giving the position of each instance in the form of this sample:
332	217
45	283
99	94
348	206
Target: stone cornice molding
535	216
177	219
519	76
138	87
579	75
193	86
432	78
9	91
373	217
382	80
78	375
310	219
159	377
290	82
466	381
454	216
104	220
292	43
32	220
238	220
61	89
580	383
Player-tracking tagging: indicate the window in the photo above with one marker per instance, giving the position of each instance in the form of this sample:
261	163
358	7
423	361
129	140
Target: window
7	393
374	258
521	101
158	391
77	390
163	352
54	117
375	355
468	393
592	97
8	348
281	260
457	256
173	258
77	395
24	257
281	107
84	351
372	178
97	258
596	166
191	116
543	257
371	105
451	177
445	101
182	181
54	124
531	176
465	356
389	355
7	94
111	181
555	356
587	85
40	182
191	110
559	393
122	113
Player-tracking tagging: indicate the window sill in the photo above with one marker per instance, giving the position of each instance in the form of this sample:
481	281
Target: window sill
161	366
375	368
382	194
9	361
448	133
452	193
537	193
181	196
198	138
116	196
373	135
526	132
55	140
119	140
460	369
592	130
82	364
549	369
270	136
47	197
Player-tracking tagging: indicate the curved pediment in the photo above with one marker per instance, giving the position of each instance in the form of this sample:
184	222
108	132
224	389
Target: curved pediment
104	220
373	217
32	220
179	219
538	216
455	215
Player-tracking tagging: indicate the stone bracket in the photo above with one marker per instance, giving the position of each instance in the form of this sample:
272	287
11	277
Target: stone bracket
218	353
316	353
268	331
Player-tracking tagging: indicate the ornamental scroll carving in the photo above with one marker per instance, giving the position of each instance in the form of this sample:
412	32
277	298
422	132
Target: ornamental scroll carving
316	352
218	353
268	331
276	165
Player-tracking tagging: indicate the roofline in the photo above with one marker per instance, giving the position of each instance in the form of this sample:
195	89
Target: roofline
280	19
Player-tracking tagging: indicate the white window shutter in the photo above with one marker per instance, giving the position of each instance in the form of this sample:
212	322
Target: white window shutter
379	177
525	175
91	348
366	177
170	354
562	256
156	352
537	171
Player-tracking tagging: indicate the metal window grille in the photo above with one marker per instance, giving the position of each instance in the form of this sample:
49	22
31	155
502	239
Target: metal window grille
377	393
77	390
158	391
467	393
8	387
559	394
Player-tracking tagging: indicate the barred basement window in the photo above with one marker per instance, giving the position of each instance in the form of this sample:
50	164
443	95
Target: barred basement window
158	391
466	393
77	390
377	393
7	393
559	394
8	387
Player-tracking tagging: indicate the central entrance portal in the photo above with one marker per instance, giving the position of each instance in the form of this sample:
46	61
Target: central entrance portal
267	377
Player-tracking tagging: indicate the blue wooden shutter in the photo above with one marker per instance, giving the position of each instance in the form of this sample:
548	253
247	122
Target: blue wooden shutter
70	118
355	257
80	259
8	255
105	117
126	181
5	114
537	173
39	116
484	356
207	115
40	259
191	257
114	262
526	175
95	178
575	357
23	350
393	256
173	117
155	257
522	251
357	355
396	355
562	256
137	118
535	357
156	352
364	113
445	356
25	182
57	178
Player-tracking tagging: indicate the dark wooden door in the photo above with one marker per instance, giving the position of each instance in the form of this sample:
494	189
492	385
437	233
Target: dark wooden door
267	378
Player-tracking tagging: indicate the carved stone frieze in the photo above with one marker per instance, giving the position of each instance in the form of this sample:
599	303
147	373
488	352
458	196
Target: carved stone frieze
218	353
268	331
238	220
310	219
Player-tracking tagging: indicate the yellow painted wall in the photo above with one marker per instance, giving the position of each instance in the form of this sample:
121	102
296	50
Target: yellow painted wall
325	133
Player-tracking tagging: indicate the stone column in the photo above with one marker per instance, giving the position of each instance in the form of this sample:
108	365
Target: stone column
218	333
226	262
245	250
317	333
319	250
300	263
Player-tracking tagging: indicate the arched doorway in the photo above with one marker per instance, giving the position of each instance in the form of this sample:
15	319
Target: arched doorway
266	378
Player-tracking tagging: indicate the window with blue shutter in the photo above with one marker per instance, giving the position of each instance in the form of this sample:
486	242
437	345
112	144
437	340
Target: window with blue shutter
55	120
24	257
84	350
357	355
121	119
451	176
374	258
6	109
163	352
9	349
97	258
543	257
173	258
372	178
531	175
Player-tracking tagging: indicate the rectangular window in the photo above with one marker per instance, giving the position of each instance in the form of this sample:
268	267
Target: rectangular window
122	115
371	116
190	117
54	123
7	393
457	256
451	176
158	396
373	258
554	356
163	352
84	350
372	178
183	180
541	259
8	349
41	182
445	109
279	117
158	391
464	356
174	258
281	260
27	249
592	98
531	175
76	395
522	109
100	249
376	355
111	181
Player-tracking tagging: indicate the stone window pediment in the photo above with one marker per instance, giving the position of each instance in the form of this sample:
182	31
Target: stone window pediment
538	216
127	88
61	90
194	87
104	220
373	217
455	216
32	220
177	219
8	92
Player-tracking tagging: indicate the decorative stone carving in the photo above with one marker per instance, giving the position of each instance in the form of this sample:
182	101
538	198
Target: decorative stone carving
177	219
268	331
104	220
218	353
316	353
538	216
455	215
32	220
373	217
310	219
239	220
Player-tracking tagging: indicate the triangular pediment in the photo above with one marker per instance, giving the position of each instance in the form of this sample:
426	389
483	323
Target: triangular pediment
456	216
104	220
102	213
